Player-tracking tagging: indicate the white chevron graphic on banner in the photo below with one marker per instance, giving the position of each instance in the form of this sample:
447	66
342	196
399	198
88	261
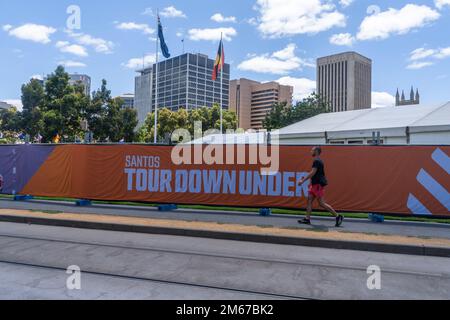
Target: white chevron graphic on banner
432	186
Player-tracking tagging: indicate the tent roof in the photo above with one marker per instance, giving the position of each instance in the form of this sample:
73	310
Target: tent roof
373	119
419	118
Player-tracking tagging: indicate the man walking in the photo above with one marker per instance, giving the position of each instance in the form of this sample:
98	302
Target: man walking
317	188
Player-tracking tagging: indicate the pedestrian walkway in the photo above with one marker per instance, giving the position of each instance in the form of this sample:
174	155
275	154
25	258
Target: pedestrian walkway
320	224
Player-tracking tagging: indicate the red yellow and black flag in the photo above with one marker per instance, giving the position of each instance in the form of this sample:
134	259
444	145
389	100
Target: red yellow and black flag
220	61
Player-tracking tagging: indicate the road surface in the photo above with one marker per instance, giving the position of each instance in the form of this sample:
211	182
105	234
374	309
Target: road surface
115	265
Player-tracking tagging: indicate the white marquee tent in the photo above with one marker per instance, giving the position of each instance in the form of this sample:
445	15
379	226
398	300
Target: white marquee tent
417	125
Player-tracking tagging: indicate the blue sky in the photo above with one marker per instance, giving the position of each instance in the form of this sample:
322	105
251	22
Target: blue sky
266	40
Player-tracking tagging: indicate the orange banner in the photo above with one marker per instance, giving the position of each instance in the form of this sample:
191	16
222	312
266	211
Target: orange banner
397	179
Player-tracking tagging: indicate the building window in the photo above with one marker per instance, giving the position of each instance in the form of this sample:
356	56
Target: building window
356	142
371	142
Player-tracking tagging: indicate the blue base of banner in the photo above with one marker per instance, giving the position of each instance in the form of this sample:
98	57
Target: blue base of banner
265	212
167	207
83	203
376	218
23	198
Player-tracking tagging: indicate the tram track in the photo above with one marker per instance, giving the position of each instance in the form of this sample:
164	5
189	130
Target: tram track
234	257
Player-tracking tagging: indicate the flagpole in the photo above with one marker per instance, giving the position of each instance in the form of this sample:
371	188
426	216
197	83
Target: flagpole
221	87
156	79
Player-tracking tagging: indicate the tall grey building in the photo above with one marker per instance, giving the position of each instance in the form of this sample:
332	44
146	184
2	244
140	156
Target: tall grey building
83	79
128	100
183	82
345	81
143	94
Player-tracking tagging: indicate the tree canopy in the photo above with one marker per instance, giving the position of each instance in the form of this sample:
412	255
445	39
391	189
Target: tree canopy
169	121
283	115
57	108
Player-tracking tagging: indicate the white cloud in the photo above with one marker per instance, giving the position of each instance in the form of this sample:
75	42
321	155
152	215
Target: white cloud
7	27
286	53
385	23
442	53
72	64
441	3
303	87
32	32
419	65
382	100
252	21
342	39
290	17
37	77
100	45
419	55
15	102
345	3
172	12
218	17
279	62
148	12
212	34
137	63
74	49
145	28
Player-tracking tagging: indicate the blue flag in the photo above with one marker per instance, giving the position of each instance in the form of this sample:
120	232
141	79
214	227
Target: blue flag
164	48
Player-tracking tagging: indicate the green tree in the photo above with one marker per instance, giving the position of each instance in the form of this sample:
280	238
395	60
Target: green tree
33	96
282	115
108	120
145	133
96	112
129	124
65	103
169	121
10	120
56	87
60	108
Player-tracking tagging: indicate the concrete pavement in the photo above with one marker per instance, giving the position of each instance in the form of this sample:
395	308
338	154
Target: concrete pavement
197	268
19	282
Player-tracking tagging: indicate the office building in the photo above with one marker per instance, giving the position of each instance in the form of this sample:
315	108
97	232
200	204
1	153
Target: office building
83	79
345	81
143	95
128	100
414	99
4	105
183	82
252	100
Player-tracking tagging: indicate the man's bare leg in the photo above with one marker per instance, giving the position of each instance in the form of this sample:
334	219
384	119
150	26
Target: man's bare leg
327	207
339	218
307	220
310	207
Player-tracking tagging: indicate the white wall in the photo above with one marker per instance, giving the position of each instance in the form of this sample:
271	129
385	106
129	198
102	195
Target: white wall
302	141
431	138
422	138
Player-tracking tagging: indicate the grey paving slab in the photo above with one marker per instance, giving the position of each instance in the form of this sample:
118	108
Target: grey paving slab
251	267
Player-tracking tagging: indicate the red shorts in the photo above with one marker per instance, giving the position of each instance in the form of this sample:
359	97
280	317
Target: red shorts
317	191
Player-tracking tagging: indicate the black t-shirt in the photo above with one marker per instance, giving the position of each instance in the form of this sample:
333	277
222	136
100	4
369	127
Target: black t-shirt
319	177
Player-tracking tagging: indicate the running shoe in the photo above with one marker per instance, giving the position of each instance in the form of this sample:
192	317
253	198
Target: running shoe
339	220
305	221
